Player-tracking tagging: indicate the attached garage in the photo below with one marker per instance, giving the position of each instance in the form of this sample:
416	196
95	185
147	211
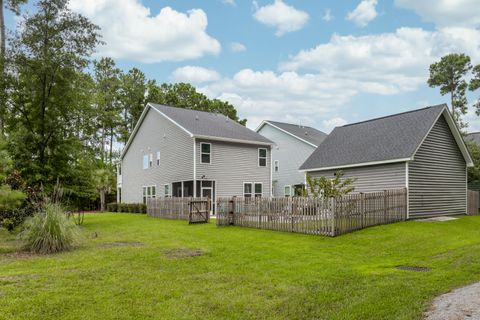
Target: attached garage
421	150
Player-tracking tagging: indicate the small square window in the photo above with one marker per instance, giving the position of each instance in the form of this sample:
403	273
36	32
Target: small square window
262	157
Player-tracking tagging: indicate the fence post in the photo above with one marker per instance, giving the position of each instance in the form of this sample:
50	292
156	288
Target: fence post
231	214
362	209
385	203
332	215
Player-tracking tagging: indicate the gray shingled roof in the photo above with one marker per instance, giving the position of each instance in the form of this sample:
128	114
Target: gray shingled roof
306	133
213	125
475	137
388	138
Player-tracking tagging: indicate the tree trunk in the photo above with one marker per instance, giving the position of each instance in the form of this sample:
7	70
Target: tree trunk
111	147
3	106
102	200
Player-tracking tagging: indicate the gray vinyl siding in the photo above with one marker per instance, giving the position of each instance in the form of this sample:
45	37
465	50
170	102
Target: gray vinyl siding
231	165
437	175
156	133
291	153
372	178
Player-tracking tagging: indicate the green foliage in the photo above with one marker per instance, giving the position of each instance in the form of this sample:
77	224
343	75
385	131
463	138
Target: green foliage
104	182
127	207
449	74
324	187
112	207
474	85
49	231
473	172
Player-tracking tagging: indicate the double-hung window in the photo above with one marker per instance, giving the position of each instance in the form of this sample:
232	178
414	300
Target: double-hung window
276	165
150	163
158	158
206	152
247	190
149	192
145	161
251	190
287	191
167	190
262	157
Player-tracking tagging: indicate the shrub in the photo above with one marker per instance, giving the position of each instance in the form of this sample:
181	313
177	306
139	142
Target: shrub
113	207
49	231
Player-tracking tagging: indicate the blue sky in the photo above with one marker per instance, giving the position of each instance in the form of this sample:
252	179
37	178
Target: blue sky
319	63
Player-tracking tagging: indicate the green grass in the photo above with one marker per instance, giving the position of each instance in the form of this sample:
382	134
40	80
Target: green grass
243	273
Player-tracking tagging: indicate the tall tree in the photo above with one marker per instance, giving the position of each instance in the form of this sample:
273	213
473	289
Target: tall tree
107	104
134	89
474	85
449	74
46	63
14	6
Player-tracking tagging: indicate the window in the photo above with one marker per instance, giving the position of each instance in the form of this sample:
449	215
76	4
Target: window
247	190
158	158
145	161
119	169
149	192
119	195
258	190
167	190
262	157
287	191
150	163
252	189
275	165
205	149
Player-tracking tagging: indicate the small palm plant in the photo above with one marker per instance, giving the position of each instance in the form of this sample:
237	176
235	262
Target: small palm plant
49	231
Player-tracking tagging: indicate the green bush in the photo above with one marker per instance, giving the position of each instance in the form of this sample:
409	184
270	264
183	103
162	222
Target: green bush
49	231
113	207
127	207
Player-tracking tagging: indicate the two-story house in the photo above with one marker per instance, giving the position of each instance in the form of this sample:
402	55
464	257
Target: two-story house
293	145
177	152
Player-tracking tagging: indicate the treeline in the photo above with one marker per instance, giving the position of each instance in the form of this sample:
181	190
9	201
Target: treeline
62	113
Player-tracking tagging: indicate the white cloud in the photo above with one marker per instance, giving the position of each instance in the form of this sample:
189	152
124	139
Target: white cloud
132	32
443	13
229	2
237	47
363	13
194	74
386	63
330	124
281	16
328	15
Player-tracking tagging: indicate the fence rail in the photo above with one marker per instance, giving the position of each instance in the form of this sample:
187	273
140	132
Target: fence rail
329	217
172	208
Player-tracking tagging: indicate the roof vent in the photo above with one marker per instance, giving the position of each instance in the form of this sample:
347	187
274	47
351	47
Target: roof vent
196	117
306	133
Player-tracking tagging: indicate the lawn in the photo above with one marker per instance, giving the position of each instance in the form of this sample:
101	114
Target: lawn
136	267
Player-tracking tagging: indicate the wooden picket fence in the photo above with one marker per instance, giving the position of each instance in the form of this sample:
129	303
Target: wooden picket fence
473	202
329	217
194	210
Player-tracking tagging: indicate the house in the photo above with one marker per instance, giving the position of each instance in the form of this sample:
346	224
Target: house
421	150
293	145
176	152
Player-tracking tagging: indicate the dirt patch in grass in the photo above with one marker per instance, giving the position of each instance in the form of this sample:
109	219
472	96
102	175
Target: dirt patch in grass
19	255
462	303
121	244
413	268
180	253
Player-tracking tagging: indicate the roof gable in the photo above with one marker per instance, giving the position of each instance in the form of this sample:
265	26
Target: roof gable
393	138
309	135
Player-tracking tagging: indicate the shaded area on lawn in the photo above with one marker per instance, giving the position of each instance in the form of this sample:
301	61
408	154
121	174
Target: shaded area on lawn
238	272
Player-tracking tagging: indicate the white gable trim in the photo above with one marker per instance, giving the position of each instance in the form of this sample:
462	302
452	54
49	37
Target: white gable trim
264	122
456	134
362	164
139	122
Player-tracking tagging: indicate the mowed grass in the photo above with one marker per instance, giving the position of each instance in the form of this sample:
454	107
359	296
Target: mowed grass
136	267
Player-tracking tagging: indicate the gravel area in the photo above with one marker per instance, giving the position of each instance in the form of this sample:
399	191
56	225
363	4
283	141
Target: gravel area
459	304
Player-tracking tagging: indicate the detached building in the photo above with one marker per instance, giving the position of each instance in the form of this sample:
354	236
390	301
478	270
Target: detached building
421	150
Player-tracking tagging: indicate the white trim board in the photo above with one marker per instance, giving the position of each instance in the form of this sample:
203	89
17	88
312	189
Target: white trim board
264	122
362	164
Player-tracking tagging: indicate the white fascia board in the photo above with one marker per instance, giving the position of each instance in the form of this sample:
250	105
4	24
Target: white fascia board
363	164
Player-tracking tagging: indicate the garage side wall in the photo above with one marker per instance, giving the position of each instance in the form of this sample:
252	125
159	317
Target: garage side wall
372	178
437	175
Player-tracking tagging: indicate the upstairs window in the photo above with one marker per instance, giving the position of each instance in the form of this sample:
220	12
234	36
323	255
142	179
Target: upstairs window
145	161
275	165
158	158
206	150
119	169
262	157
150	162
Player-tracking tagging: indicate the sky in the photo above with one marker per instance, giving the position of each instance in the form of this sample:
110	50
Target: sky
318	63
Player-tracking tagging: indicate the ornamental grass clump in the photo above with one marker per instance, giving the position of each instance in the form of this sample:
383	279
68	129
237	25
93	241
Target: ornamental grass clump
49	231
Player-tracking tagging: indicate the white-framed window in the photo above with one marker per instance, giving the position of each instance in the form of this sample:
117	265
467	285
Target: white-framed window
149	192
247	190
252	189
145	161
119	169
287	191
205	152
167	190
150	162
262	157
276	165
158	158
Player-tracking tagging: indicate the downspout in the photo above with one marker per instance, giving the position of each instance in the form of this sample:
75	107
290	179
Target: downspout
271	174
407	190
194	168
